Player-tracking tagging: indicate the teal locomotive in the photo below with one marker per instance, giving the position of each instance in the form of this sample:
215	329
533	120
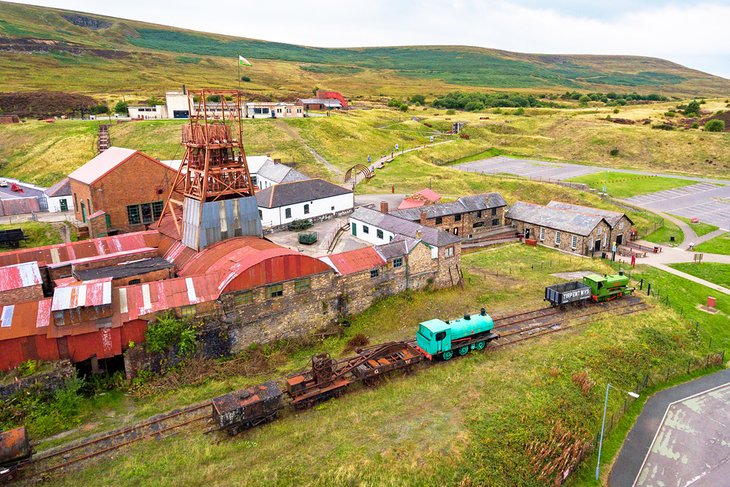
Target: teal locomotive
437	338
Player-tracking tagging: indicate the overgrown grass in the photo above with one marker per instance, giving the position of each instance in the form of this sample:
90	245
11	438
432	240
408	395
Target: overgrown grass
38	233
465	421
709	271
623	185
663	234
717	245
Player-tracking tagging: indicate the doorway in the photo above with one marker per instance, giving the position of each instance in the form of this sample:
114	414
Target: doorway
64	204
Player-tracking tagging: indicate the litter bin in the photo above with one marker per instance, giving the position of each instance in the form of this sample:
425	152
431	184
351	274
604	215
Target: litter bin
671	238
656	250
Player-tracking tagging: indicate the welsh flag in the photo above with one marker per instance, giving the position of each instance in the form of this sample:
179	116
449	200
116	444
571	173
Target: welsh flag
242	61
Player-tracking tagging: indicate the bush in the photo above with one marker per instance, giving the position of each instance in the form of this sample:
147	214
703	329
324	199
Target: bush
692	108
616	110
520	111
663	126
450	112
29	367
583	100
99	109
696	125
167	333
418	100
121	107
245	79
715	126
614	152
214	98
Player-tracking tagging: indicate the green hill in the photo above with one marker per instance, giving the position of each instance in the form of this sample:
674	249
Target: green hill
52	49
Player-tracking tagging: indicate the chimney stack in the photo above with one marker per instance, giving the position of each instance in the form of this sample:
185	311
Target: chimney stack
384	207
277	161
423	218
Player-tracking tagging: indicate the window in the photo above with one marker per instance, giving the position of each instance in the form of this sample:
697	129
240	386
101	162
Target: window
275	291
542	234
456	230
449	252
261	214
332	208
243	298
438	220
599	230
495	222
146	210
306	209
133	214
398	262
574	242
365	229
58	318
374	273
76	201
479	214
254	180
379	234
157	208
457	218
88	206
557	238
302	285
134	281
494	211
187	311
621	226
605	241
440	336
478	224
287	213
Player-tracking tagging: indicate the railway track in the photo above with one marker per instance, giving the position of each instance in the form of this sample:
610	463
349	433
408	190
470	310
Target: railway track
512	329
160	426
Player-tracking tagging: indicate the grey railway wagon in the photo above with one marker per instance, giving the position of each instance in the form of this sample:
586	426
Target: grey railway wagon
566	293
247	408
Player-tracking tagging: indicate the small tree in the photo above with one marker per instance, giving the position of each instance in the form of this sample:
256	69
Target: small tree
583	100
121	107
418	100
715	126
692	108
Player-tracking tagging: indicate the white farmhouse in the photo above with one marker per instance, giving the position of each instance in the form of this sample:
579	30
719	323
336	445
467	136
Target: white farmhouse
59	197
299	200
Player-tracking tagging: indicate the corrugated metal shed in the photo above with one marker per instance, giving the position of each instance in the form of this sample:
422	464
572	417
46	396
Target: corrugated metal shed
221	219
53	254
563	220
354	261
19	276
24	319
80	294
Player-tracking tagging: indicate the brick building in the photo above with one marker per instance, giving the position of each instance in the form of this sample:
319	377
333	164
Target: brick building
566	230
620	223
127	186
468	217
20	283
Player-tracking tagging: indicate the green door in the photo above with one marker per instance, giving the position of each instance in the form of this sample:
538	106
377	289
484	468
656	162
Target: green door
83	213
108	221
354	229
64	204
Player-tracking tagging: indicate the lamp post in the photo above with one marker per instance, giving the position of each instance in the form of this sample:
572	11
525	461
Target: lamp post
603	424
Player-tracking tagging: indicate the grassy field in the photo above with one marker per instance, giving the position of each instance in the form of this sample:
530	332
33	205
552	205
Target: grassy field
663	234
38	233
622	185
118	56
709	271
699	228
717	245
467	421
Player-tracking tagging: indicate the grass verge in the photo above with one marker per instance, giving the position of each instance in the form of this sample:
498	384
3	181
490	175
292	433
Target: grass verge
624	185
717	245
709	271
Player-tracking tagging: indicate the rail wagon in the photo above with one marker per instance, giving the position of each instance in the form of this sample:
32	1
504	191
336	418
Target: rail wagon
437	338
566	293
14	449
247	408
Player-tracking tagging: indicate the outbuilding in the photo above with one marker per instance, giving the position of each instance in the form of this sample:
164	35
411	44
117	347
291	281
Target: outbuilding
620	223
314	199
58	196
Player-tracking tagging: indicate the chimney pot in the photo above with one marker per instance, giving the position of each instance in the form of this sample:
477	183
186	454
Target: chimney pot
423	218
419	234
384	207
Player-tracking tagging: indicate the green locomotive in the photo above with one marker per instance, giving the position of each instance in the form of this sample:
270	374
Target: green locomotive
438	338
606	288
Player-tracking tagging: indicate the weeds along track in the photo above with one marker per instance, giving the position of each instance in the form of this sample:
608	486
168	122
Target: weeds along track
512	329
159	426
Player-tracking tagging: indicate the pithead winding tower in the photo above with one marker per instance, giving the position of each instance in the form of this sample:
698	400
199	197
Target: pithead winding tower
218	193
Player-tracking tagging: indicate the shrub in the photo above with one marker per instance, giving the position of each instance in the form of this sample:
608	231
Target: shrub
519	111
692	108
583	100
670	113
358	341
121	107
614	152
29	367
418	99
696	125
450	112
715	126
245	79
616	110
167	332
403	108
214	98
663	126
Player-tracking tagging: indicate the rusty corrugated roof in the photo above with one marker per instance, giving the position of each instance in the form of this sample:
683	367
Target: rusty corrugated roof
83	294
24	319
19	276
354	260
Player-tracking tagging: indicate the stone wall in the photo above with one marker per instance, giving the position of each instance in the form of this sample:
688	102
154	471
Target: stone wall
584	245
462	224
62	372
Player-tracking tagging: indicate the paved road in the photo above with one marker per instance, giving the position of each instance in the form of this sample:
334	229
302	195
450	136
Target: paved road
684	444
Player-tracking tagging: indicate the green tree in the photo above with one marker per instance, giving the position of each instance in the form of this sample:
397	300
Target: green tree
715	126
418	100
692	108
121	107
584	99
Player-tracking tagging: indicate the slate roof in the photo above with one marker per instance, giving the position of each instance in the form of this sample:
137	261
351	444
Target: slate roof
279	173
298	192
399	226
462	205
399	247
61	188
612	217
125	269
255	163
563	220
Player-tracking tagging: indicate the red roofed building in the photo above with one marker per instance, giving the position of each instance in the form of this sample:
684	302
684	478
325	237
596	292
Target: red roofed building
128	186
355	261
421	198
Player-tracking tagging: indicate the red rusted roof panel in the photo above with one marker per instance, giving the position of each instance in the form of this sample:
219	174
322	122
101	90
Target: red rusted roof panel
83	294
19	276
24	319
355	260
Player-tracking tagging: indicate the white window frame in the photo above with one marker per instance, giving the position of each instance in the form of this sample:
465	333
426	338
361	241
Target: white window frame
574	242
542	234
557	237
605	241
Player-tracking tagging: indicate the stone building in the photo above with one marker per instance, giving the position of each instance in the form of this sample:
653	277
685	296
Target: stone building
468	217
620	223
566	230
127	186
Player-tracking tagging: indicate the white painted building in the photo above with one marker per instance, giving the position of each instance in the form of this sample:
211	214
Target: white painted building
271	173
59	197
157	112
299	200
269	109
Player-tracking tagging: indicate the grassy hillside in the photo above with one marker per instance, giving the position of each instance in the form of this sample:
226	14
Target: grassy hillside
103	55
